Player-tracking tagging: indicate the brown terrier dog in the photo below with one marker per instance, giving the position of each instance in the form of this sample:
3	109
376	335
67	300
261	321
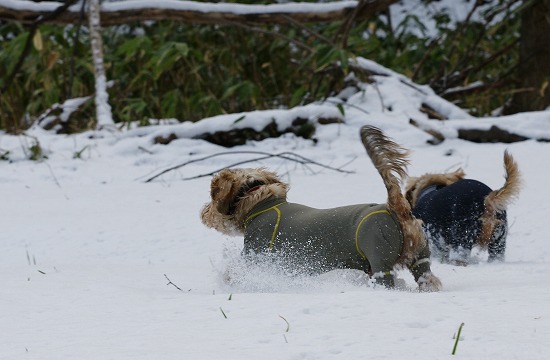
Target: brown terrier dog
459	213
375	238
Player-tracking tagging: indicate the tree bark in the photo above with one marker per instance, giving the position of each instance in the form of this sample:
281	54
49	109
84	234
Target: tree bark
534	59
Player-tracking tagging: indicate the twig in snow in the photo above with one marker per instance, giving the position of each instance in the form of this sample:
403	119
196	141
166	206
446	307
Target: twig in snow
174	285
145	150
284	155
223	313
53	176
287	323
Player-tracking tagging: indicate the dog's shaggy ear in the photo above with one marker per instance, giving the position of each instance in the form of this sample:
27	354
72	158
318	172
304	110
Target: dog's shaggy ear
214	214
222	188
217	221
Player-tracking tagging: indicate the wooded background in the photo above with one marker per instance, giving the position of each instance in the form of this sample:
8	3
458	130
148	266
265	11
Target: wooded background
188	65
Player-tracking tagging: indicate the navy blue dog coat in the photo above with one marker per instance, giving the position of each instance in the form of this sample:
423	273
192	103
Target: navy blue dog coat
451	215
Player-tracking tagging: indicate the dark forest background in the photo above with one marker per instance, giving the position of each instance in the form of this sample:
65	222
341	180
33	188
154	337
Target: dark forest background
495	62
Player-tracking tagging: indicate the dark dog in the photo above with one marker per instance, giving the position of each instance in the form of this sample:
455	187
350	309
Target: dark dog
459	213
370	237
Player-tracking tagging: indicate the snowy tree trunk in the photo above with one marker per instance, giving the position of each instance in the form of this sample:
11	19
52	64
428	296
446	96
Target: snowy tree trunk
103	109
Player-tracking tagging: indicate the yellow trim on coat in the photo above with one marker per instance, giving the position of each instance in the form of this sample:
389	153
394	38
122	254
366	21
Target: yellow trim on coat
276	228
361	223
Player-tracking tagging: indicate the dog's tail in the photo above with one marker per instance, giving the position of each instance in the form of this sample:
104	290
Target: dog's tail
390	160
501	198
498	200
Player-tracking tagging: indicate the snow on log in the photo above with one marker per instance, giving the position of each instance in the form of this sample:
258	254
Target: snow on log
115	13
505	129
229	130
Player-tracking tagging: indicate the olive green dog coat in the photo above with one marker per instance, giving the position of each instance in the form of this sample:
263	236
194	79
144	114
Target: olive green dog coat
365	237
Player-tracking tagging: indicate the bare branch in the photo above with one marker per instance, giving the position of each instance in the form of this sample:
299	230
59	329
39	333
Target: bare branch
455	40
290	156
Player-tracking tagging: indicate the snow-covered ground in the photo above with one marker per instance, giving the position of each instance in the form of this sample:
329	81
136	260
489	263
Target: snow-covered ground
98	264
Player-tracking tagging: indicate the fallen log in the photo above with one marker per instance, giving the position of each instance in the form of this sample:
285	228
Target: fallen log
301	127
505	132
493	135
116	13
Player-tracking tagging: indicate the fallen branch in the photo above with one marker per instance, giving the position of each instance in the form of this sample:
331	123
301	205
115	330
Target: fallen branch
284	155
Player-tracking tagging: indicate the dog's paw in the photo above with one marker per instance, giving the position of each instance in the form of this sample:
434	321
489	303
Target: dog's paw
429	282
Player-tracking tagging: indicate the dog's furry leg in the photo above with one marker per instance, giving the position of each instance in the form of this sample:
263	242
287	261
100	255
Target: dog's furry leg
390	160
498	200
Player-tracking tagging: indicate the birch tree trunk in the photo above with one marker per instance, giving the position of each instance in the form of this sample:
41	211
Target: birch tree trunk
103	109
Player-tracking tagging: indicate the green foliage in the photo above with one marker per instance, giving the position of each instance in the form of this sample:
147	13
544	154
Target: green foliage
166	69
199	72
481	50
34	150
44	77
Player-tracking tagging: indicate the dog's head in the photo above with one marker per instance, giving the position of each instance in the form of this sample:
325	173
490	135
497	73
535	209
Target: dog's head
415	185
234	192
